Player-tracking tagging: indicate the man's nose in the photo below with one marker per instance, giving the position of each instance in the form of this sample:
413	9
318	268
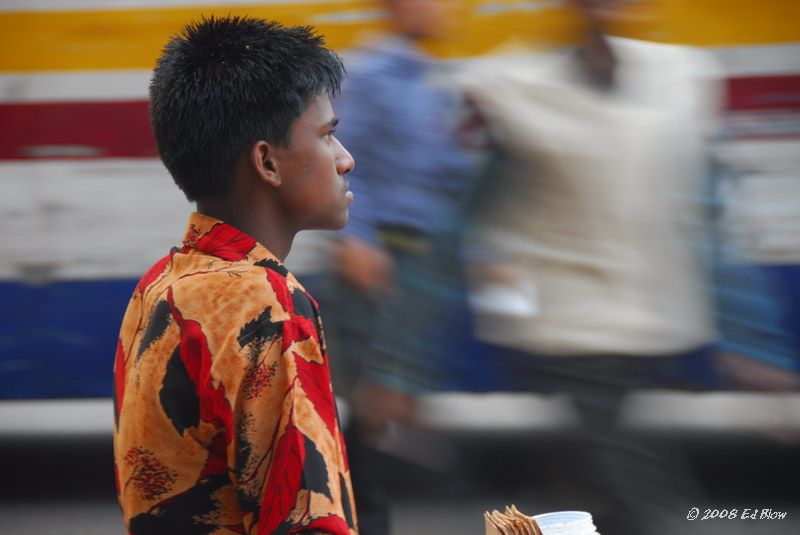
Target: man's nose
345	162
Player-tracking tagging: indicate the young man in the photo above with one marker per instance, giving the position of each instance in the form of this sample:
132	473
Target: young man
225	418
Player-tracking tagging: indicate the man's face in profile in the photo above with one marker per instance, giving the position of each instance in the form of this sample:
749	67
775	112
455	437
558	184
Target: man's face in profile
422	18
314	192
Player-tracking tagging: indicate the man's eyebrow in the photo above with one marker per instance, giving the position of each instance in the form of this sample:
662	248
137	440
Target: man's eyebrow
332	123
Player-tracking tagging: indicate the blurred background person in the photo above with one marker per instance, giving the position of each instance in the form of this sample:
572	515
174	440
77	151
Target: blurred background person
592	211
399	251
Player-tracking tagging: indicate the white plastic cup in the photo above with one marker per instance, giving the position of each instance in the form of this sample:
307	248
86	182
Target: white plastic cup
566	523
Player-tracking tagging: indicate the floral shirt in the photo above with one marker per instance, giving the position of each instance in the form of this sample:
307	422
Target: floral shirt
225	419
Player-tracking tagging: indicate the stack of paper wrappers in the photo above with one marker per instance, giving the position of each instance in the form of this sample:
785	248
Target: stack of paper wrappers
510	522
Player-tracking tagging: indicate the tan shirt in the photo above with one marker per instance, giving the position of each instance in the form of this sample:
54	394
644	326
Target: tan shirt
602	210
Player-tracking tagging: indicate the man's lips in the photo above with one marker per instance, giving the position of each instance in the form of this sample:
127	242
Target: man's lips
347	193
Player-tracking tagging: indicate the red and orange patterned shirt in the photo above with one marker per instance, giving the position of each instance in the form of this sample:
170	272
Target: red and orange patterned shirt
225	419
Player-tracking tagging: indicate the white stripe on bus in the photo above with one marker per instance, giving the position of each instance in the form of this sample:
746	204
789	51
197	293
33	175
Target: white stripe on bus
757	60
101	219
86	219
75	86
132	84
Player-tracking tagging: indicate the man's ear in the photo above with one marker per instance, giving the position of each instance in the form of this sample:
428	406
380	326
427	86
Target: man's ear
264	163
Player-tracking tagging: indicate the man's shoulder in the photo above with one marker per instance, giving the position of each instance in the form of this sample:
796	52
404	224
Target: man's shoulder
370	64
154	272
261	285
252	302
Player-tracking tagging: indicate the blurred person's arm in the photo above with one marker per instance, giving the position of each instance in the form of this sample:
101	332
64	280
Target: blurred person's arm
357	255
500	286
489	270
750	374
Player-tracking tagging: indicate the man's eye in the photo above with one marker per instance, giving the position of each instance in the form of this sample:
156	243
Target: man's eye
330	134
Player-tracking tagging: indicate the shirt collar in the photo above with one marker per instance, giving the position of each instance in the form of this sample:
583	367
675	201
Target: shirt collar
213	237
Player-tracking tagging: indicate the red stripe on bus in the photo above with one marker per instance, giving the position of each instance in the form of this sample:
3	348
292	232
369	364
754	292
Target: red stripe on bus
117	129
764	92
121	129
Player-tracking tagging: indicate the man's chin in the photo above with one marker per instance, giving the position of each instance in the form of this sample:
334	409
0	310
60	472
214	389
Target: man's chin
336	222
342	221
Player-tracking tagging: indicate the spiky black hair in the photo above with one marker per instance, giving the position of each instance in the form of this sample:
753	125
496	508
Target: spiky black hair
224	83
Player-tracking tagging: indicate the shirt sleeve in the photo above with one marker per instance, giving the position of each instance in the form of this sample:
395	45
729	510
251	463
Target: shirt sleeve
288	458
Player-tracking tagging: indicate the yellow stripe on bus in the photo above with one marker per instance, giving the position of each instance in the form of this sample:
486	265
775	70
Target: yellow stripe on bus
132	38
715	22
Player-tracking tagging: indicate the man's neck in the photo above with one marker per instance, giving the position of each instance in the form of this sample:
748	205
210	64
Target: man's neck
259	224
598	59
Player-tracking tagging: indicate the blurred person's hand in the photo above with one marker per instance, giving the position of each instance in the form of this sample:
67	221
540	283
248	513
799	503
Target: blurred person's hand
750	374
376	405
496	272
472	132
365	267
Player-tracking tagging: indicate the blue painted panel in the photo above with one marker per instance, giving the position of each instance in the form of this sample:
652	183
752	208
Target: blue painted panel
58	340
